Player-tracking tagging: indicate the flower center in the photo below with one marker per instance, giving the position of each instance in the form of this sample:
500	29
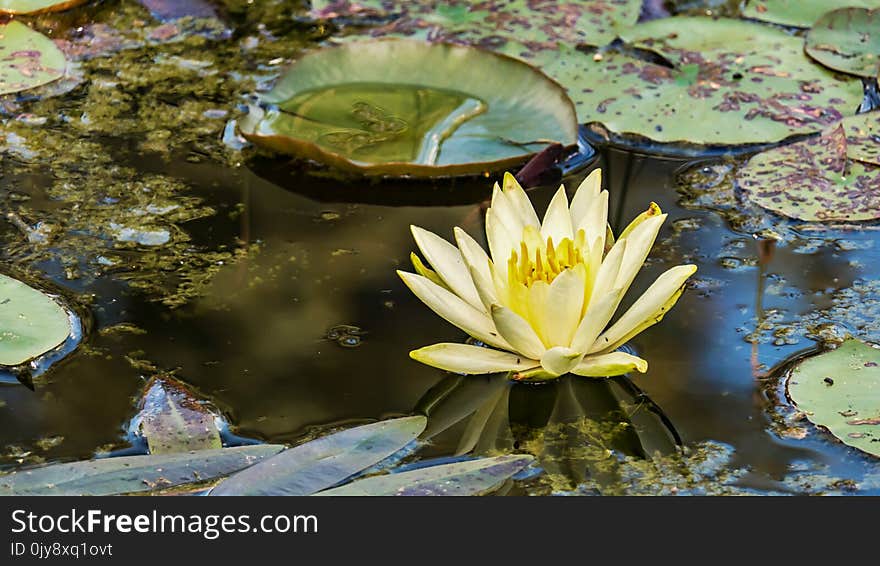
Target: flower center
542	264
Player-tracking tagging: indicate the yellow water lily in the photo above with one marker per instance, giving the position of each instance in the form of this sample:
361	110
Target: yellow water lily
546	291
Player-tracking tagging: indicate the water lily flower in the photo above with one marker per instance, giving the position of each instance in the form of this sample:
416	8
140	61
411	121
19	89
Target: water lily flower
543	297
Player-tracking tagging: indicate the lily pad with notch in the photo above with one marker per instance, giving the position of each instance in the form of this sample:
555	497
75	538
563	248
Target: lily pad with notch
839	390
398	107
814	179
847	40
799	13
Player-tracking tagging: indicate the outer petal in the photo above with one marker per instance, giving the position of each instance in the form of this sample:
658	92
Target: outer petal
608	365
647	310
562	307
449	265
517	331
653	210
595	320
520	200
455	310
464	358
557	219
425	271
609	270
638	245
560	360
584	196
477	262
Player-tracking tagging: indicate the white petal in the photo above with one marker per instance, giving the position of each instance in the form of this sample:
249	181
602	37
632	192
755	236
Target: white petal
464	358
609	270
608	365
584	196
472	253
563	305
501	241
536	307
507	211
560	360
596	318
557	219
638	245
647	310
449	265
455	310
520	200
517	331
595	219
485	288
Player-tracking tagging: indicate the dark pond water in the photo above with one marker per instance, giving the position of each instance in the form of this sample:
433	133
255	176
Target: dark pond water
274	294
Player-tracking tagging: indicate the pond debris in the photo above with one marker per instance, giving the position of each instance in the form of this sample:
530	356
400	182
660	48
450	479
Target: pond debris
346	335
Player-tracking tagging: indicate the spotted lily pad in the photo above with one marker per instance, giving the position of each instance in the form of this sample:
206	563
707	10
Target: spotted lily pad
173	418
863	137
473	477
31	322
323	463
36	6
132	474
813	180
730	82
28	59
847	40
406	107
493	24
839	390
799	13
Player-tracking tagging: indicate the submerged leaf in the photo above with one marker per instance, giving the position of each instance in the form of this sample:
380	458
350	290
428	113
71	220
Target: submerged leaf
27	58
173	419
847	40
130	474
840	391
402	107
474	477
31	323
798	13
323	463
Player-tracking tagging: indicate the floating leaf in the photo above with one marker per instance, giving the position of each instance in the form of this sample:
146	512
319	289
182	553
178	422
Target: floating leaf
731	82
492	24
402	107
323	463
31	323
813	180
36	6
840	391
130	474
173	419
474	477
847	40
863	137
27	58
798	13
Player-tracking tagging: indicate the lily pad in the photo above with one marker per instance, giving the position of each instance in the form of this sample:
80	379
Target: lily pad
173	419
31	322
847	40
798	13
730	82
28	58
405	107
840	391
813	180
863	137
131	474
474	477
323	463
36	6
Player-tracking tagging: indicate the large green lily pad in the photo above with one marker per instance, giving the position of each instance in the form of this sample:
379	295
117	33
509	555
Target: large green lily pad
323	463
36	6
814	180
31	322
731	82
527	24
799	13
847	40
132	474
474	477
863	137
28	58
173	418
406	107
840	391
